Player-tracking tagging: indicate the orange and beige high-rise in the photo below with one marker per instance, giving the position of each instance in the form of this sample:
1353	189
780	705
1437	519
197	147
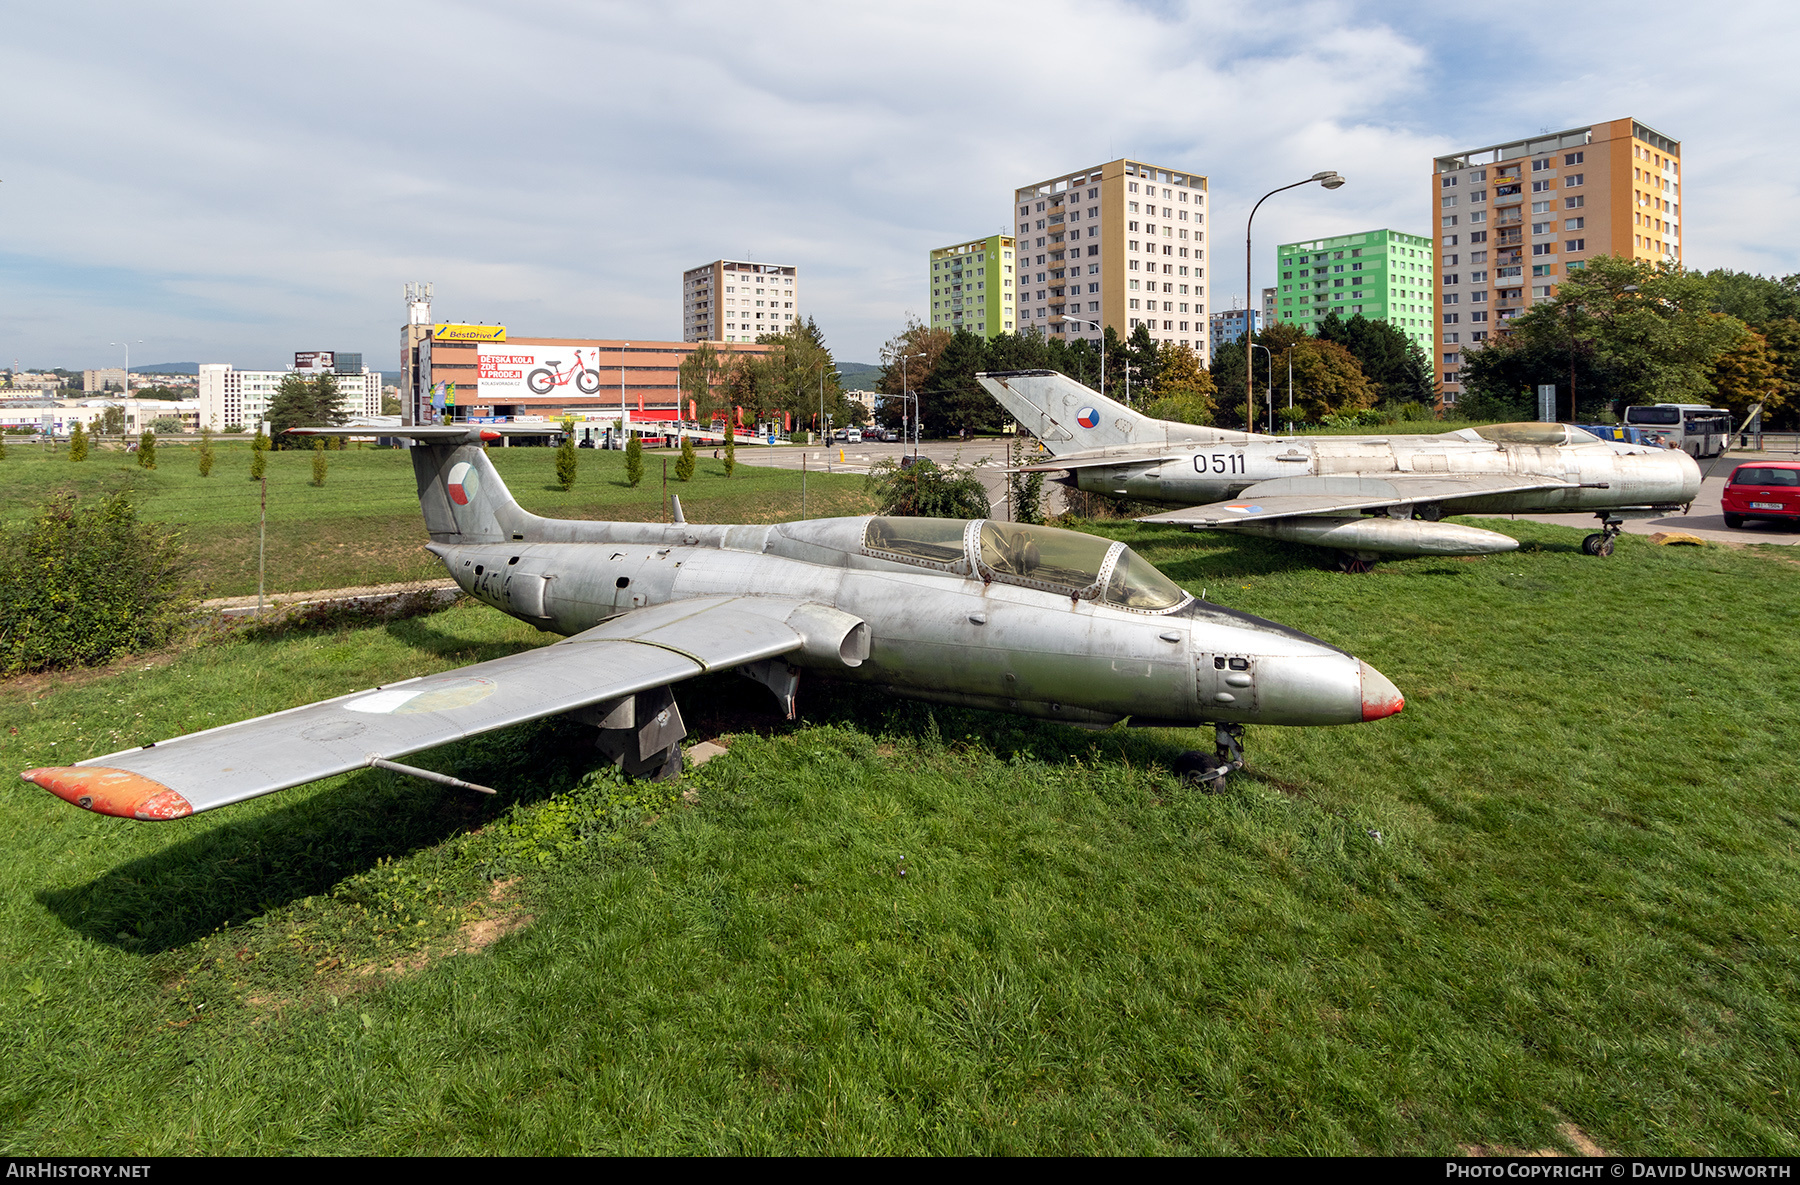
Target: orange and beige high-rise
1121	244
1514	218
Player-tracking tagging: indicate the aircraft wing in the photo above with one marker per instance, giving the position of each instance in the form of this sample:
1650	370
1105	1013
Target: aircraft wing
637	651
1290	497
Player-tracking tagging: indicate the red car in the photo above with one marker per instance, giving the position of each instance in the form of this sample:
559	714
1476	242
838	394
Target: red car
1763	489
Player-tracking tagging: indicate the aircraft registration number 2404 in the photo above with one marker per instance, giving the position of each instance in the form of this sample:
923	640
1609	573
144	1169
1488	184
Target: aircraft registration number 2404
1219	463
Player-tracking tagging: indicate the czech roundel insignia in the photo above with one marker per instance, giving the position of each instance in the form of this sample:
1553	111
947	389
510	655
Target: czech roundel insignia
1088	417
1244	508
462	483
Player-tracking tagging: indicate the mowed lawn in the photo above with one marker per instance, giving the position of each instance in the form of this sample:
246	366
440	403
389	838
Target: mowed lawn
363	525
1558	889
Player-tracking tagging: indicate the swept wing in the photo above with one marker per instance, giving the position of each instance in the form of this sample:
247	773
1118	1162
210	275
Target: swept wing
1288	497
637	651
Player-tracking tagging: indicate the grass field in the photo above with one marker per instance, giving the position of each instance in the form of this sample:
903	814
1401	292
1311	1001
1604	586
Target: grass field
363	526
1557	889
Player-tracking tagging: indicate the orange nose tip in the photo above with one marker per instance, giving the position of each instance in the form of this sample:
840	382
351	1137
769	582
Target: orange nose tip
117	792
1379	696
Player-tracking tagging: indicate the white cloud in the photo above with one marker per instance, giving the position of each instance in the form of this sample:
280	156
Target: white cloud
232	182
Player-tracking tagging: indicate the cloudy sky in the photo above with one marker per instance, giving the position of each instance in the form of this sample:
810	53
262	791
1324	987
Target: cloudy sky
232	182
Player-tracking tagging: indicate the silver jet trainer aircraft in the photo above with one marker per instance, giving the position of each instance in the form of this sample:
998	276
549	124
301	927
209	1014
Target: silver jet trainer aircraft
1031	620
1364	495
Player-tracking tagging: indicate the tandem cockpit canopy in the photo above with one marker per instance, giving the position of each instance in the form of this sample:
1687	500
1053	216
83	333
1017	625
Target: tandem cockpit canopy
1077	565
1531	433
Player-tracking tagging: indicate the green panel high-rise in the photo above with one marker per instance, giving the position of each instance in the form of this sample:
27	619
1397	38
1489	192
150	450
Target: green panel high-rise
1386	275
972	286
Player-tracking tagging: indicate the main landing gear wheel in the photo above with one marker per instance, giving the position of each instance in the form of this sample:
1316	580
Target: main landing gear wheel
1600	543
1355	562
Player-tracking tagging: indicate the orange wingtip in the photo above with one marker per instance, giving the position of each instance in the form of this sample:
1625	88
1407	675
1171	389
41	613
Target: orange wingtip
111	791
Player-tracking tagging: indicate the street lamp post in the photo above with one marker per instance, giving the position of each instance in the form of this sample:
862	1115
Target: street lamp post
1102	333
1271	391
1330	180
127	345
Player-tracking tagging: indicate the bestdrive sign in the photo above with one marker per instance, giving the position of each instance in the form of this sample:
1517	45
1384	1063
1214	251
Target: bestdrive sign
468	333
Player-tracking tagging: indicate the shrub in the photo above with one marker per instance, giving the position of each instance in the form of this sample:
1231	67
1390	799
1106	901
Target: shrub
926	489
87	583
259	455
730	447
684	465
566	459
147	449
319	462
634	460
78	443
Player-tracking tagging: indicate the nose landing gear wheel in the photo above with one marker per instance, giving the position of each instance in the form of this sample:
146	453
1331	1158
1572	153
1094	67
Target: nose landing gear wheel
1207	770
1600	543
1354	562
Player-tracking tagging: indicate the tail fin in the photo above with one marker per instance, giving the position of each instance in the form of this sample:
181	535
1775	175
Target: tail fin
1070	418
460	491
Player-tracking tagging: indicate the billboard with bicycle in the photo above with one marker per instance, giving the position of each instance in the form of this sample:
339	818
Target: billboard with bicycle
509	372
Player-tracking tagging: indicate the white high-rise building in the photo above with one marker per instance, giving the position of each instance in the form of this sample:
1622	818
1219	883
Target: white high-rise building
731	301
229	396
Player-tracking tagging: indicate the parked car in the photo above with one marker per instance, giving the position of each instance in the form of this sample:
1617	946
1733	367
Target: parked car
1763	489
853	436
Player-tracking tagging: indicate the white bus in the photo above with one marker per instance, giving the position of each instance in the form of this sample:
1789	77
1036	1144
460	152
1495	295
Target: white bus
1699	430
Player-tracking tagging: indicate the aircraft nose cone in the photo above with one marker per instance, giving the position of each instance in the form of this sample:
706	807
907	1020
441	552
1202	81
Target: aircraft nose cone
1379	695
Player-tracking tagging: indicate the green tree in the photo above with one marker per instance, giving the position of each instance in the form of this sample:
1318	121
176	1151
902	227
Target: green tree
2	446
147	449
259	455
950	400
304	403
730	445
1183	391
700	373
1027	489
684	464
1644	332
206	452
1396	365
567	462
390	404
907	358
112	420
925	489
86	583
634	460
1783	337
78	442
318	461
1745	375
1755	300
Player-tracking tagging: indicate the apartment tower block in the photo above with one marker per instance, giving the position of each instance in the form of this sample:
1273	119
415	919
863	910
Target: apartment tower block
1514	218
972	286
731	301
1121	244
1386	275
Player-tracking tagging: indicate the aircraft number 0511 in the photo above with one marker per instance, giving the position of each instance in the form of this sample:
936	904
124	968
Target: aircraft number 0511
1221	462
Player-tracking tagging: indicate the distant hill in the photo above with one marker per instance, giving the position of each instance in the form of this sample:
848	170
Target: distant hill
168	368
858	376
